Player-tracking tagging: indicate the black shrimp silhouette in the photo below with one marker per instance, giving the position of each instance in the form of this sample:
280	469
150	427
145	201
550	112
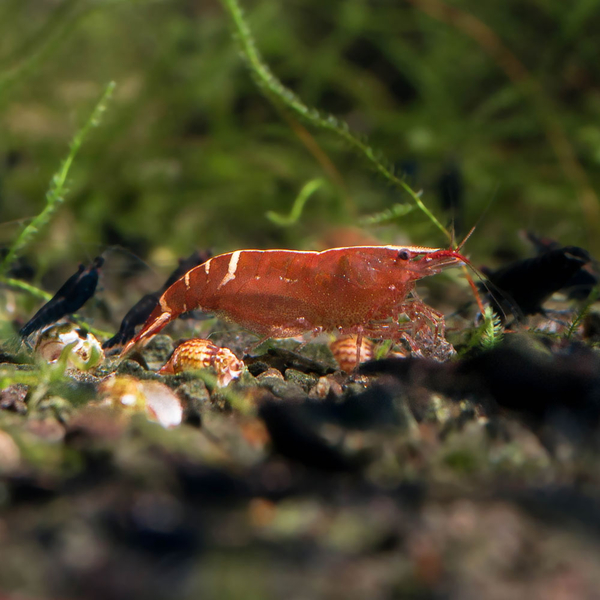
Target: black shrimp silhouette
73	294
581	284
523	286
143	308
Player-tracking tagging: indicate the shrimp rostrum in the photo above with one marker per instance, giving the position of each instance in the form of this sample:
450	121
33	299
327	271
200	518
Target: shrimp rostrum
362	290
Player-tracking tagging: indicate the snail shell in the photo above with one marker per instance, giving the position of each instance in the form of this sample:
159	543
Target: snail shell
156	400
198	353
345	350
85	350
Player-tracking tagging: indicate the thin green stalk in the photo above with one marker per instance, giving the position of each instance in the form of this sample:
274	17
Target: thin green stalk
26	287
277	92
57	190
42	295
396	211
306	192
10	377
578	320
488	333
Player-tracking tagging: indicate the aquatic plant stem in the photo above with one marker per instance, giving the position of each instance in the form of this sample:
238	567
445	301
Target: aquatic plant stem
45	296
308	189
57	190
277	92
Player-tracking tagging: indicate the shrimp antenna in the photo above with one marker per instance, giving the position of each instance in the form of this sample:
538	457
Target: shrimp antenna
493	290
482	279
459	247
468	263
479	219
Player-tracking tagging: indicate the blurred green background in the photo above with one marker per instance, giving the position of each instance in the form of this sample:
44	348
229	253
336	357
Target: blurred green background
191	154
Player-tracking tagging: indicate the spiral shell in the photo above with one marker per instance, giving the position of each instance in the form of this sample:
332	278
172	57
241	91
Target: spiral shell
200	354
345	350
85	351
156	400
123	392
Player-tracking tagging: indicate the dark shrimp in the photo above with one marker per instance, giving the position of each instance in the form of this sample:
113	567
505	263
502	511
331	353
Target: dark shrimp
73	294
581	284
142	309
136	315
525	285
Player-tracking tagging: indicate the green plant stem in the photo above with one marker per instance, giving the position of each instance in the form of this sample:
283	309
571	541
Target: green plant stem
308	189
592	298
57	189
42	295
9	377
277	92
26	287
396	211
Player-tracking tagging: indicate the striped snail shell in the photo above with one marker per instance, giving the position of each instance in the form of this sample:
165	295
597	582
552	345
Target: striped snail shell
198	353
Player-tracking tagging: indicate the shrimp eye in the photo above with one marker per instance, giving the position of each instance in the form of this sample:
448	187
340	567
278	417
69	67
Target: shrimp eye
404	254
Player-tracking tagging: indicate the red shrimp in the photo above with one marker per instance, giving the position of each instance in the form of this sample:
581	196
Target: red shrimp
360	290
